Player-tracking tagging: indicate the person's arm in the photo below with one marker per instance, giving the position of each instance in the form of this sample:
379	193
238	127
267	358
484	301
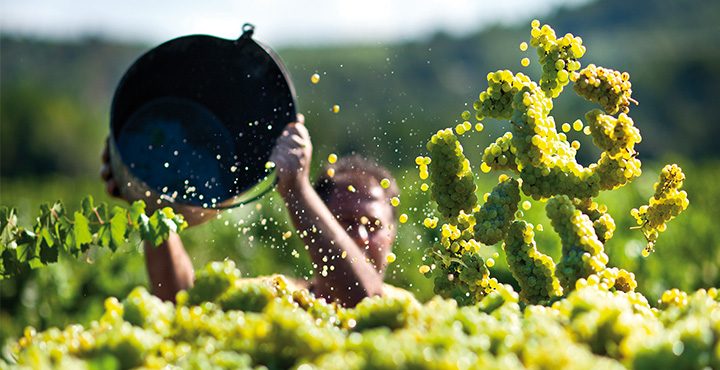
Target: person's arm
168	264
343	271
169	268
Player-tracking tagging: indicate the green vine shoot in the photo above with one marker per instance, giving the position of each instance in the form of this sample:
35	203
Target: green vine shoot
74	232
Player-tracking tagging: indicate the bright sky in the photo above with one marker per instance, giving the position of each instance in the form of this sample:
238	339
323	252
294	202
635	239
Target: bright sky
277	22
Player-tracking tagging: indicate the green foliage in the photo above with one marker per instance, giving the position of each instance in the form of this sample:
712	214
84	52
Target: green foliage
55	230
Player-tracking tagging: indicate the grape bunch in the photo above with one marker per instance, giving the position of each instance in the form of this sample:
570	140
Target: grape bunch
598	325
603	223
548	171
558	57
582	252
533	270
453	182
500	155
460	271
615	136
497	101
610	89
611	279
493	219
667	202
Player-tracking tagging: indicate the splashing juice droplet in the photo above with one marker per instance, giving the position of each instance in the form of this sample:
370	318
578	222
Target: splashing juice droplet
332	158
315	78
336	108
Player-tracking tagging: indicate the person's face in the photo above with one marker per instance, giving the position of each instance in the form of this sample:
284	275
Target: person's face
367	217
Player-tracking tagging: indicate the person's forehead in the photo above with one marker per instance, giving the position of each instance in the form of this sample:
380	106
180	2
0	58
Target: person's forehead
347	198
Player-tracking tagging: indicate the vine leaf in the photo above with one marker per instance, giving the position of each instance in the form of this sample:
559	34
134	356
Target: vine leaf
82	229
22	249
118	228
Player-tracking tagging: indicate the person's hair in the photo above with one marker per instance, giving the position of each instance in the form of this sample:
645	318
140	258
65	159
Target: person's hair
362	173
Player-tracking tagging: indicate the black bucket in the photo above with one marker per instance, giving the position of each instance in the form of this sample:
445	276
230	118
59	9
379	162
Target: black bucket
193	123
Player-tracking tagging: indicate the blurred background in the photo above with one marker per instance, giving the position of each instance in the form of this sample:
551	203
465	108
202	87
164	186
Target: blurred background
399	71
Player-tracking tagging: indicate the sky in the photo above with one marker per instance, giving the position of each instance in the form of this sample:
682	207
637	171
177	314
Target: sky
277	22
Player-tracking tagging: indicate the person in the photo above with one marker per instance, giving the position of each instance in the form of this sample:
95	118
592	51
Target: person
346	220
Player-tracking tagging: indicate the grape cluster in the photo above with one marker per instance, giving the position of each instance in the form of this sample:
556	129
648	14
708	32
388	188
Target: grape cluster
493	219
582	252
596	326
548	171
532	269
603	223
500	155
610	89
667	202
558	57
615	136
454	185
610	279
459	270
497	101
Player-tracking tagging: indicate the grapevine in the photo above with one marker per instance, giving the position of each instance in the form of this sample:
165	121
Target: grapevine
57	229
545	168
270	323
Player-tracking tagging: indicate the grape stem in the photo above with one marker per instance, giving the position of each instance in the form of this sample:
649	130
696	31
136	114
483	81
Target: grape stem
447	259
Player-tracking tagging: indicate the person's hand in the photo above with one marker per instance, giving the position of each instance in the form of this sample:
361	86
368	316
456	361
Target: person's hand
292	155
106	173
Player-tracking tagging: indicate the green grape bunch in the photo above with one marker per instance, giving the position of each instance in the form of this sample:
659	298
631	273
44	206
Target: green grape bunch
611	89
493	219
544	167
533	270
666	204
453	182
601	324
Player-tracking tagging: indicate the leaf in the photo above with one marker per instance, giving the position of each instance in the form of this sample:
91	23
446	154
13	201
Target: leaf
23	236
103	234
87	206
48	251
82	229
118	228
8	225
46	218
144	227
10	263
135	211
25	251
4	218
70	244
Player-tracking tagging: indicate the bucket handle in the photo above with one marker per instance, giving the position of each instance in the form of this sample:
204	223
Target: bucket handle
248	30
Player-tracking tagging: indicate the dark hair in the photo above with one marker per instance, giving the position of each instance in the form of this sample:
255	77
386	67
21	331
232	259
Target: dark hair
362	173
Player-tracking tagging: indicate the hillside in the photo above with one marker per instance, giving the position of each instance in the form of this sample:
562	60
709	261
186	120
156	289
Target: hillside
55	97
